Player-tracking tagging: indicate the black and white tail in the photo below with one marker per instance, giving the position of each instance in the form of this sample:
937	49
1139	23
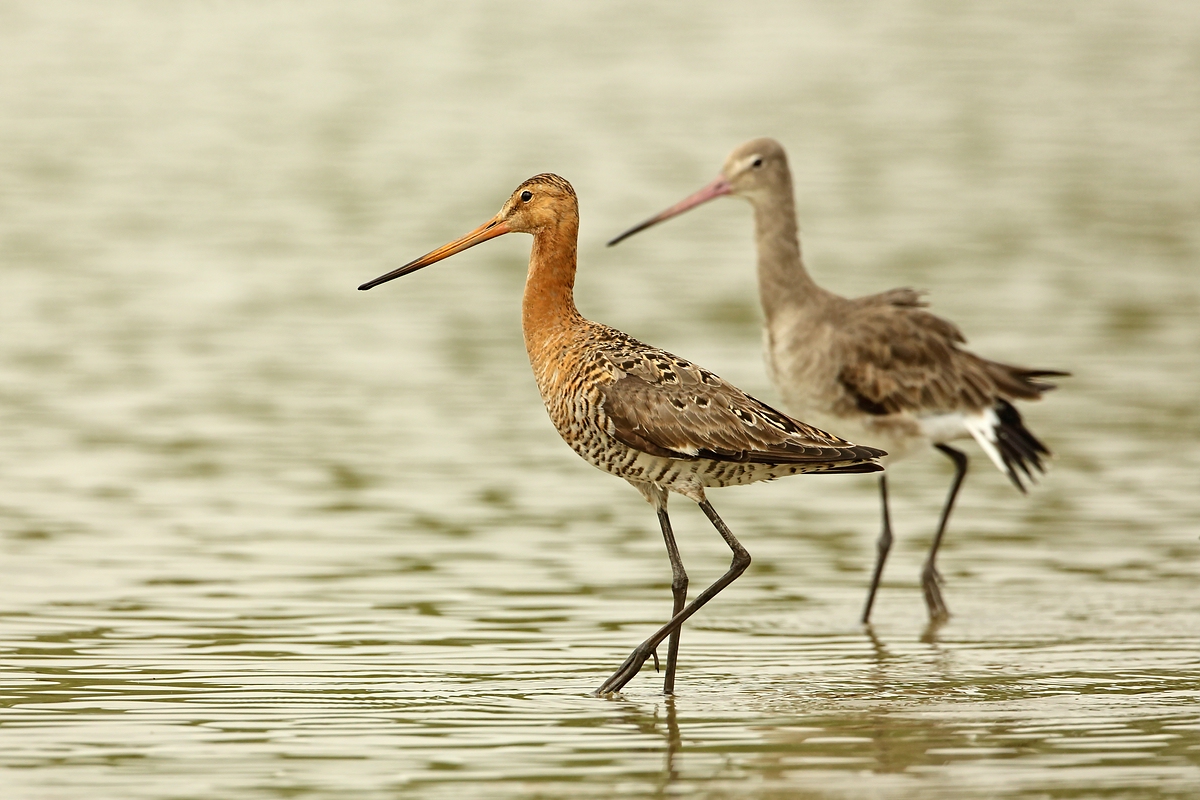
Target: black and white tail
1011	446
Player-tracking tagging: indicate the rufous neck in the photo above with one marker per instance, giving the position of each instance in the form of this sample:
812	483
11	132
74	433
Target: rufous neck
783	282
548	307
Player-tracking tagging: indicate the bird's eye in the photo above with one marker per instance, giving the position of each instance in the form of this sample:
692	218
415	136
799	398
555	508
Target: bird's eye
757	162
526	196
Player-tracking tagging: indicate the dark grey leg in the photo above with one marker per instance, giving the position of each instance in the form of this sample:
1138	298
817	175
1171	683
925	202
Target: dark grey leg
882	548
679	587
741	560
931	580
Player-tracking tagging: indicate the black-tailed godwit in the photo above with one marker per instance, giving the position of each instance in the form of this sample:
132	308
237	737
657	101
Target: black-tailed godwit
879	368
637	412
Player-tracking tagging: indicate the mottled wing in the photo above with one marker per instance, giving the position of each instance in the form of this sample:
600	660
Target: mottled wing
897	357
664	405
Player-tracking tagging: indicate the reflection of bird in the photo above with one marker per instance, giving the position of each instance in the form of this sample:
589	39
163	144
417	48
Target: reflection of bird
659	422
878	367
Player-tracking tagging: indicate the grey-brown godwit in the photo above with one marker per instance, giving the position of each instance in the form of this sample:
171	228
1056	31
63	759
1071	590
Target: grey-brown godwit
879	368
637	412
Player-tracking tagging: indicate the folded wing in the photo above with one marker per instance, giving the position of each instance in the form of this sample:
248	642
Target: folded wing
664	405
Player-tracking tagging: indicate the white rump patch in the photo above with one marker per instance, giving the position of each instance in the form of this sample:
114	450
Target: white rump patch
982	426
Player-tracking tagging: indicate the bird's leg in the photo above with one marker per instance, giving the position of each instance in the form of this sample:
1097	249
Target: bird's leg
931	579
679	587
882	547
741	560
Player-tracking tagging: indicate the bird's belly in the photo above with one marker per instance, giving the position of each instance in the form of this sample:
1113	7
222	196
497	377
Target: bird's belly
943	427
688	477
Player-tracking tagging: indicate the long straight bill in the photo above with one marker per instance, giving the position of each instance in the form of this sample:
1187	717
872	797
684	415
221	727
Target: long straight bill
715	189
488	230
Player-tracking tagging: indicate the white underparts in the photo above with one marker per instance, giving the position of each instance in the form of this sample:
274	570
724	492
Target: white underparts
981	425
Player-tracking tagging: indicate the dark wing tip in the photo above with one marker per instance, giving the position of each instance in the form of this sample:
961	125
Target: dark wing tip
852	469
1036	378
862	451
837	458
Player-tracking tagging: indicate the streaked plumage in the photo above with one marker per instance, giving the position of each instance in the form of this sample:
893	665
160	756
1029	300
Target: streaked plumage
880	368
649	416
637	412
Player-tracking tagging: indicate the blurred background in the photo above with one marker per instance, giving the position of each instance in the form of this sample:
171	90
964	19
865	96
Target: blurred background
263	535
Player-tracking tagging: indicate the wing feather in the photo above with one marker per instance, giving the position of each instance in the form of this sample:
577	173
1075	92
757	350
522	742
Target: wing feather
898	357
664	405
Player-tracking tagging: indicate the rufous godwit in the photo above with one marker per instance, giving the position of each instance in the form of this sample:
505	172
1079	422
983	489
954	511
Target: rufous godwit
642	414
879	368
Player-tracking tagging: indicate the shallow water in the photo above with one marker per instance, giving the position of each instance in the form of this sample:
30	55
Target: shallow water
262	535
